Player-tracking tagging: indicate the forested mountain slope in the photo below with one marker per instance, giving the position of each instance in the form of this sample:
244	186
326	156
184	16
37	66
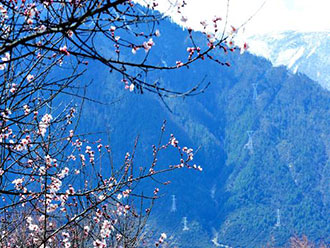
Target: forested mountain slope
265	147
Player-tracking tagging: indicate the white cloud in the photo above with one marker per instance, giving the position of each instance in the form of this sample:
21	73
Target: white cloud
274	16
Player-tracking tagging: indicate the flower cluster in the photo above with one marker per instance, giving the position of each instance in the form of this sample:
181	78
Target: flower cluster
44	124
147	45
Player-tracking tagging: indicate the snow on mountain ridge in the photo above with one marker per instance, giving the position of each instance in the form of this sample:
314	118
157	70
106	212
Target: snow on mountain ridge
299	52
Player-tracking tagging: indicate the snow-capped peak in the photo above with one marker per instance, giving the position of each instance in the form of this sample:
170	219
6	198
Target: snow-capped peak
300	52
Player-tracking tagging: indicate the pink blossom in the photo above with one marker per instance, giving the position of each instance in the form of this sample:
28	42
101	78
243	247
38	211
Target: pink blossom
174	142
13	88
26	109
96	219
156	191
44	124
29	78
86	230
118	237
18	183
99	244
147	45
106	229
70	33
134	50
64	50
52	207
131	87
55	185
42	28
42	170
72	157
161	239
126	192
179	64
64	173
71	190
6	58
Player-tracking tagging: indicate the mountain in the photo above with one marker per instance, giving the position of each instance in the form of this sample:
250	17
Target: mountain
300	52
264	135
